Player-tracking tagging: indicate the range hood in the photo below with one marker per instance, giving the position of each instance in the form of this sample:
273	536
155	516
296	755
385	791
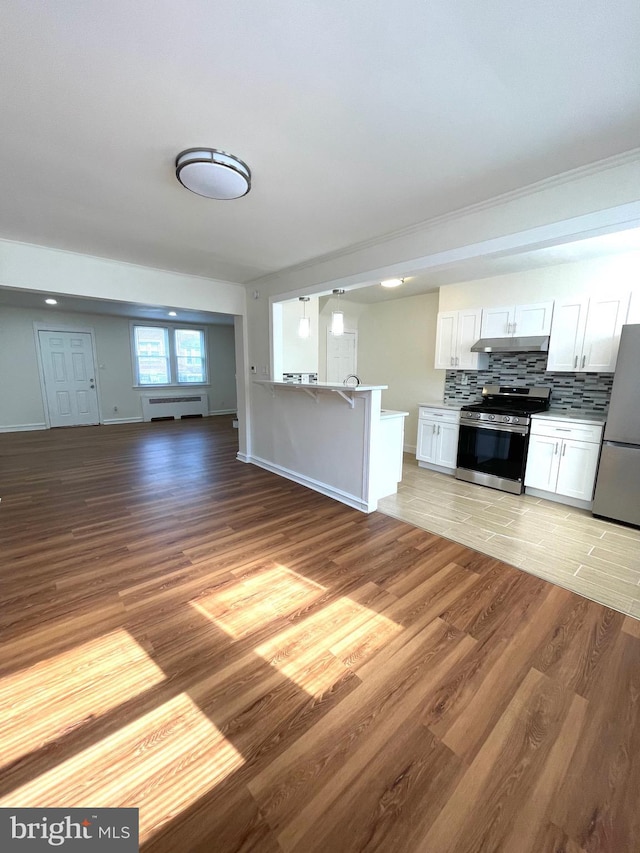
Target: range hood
535	343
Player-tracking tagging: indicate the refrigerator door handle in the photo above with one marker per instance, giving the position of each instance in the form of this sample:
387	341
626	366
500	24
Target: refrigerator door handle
575	362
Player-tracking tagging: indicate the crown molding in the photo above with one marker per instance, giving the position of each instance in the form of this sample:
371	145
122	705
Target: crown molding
558	180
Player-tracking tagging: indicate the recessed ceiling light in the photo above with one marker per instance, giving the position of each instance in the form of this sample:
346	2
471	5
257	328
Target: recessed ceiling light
392	282
213	173
173	314
51	301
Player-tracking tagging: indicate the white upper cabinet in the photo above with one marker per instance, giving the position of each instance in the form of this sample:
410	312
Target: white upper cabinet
585	334
456	333
517	320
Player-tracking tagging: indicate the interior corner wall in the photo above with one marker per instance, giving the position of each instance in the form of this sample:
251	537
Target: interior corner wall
396	345
22	406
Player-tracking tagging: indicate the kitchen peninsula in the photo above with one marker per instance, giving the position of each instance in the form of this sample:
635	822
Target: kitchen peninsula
333	438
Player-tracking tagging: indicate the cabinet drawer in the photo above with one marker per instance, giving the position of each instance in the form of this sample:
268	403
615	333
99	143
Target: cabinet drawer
574	430
450	415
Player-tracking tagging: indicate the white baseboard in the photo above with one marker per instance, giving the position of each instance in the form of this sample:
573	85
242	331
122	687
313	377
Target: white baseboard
242	457
222	412
410	448
108	421
324	488
22	427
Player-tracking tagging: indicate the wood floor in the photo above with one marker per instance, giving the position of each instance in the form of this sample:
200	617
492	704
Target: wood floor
259	668
596	558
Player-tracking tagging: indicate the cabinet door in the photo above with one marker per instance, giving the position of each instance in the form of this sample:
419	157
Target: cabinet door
567	335
577	474
497	322
447	445
543	461
532	319
427	434
468	334
446	337
602	335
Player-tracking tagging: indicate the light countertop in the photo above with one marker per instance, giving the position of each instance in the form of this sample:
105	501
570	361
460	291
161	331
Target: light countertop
327	386
576	415
391	413
438	404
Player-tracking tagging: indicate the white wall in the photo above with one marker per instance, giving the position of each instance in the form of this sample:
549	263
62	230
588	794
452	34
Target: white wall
38	268
581	203
585	202
396	343
21	403
299	355
602	275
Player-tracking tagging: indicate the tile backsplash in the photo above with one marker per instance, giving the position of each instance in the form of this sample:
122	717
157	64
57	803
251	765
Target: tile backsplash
300	377
589	392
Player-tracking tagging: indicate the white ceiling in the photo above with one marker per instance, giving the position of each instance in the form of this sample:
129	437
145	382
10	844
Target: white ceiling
357	118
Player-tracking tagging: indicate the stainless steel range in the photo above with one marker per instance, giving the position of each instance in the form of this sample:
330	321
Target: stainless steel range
494	436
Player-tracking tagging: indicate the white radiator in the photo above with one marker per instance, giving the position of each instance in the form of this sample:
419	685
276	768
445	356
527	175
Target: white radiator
174	406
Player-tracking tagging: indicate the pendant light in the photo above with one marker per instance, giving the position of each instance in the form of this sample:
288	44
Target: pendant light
337	317
304	326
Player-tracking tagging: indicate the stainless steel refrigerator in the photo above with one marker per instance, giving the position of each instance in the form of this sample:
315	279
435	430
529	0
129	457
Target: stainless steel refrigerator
617	493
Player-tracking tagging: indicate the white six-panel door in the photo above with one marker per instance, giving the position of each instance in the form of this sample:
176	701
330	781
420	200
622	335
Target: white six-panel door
69	378
341	355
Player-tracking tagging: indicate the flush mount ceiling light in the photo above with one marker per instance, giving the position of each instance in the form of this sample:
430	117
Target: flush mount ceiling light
304	326
392	282
173	313
337	317
51	301
212	173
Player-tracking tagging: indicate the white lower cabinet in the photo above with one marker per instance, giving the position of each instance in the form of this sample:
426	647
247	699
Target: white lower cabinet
563	458
437	445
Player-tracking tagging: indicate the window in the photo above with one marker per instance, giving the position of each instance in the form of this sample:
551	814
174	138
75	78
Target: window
167	355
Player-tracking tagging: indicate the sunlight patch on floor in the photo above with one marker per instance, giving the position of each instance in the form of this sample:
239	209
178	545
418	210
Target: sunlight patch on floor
44	702
253	602
318	650
161	763
306	652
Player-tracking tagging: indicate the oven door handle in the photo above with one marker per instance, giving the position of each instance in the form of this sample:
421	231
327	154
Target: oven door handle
518	430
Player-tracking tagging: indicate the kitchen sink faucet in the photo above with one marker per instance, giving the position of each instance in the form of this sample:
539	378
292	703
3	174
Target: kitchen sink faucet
351	376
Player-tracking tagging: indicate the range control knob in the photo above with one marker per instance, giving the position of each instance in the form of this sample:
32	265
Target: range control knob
506	419
492	417
515	420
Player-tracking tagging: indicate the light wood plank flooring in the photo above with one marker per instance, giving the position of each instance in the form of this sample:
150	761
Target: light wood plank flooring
259	668
567	546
